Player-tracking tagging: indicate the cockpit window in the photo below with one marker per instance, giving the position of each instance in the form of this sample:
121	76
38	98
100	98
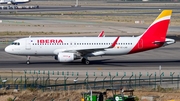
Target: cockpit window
15	43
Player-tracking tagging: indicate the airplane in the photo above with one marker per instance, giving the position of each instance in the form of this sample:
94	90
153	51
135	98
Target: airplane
68	49
14	2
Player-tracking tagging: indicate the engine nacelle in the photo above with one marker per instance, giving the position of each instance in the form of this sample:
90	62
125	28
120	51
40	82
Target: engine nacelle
9	3
66	57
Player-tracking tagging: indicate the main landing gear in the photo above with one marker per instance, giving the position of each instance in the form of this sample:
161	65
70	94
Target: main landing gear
85	61
28	60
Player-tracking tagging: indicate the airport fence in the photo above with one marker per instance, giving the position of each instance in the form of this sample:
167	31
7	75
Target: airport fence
72	81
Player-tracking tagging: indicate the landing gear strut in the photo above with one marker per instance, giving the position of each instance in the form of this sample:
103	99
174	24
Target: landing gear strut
85	61
28	60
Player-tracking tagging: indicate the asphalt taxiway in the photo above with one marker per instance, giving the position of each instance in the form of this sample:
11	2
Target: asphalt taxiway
168	57
59	8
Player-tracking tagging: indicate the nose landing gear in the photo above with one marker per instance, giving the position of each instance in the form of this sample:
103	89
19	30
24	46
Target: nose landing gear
28	60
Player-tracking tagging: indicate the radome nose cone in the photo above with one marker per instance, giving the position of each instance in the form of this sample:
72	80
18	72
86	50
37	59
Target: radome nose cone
7	49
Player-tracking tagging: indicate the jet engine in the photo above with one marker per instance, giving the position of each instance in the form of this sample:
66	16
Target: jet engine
65	57
9	3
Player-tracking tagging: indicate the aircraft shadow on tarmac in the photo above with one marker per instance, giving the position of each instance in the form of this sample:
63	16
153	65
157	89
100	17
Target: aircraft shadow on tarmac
109	62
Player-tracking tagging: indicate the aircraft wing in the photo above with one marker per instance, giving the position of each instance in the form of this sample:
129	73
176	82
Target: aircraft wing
84	51
89	50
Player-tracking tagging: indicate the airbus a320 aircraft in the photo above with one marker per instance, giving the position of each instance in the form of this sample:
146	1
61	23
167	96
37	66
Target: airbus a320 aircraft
67	49
14	2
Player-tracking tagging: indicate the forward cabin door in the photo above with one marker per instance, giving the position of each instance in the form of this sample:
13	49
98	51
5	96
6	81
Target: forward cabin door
28	44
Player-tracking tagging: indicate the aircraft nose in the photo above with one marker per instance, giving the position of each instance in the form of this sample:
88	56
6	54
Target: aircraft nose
7	49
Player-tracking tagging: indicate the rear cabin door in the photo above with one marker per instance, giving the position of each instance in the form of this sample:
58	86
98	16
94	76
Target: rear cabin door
140	44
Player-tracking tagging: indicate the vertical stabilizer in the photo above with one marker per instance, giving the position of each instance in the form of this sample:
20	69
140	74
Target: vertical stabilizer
155	35
158	29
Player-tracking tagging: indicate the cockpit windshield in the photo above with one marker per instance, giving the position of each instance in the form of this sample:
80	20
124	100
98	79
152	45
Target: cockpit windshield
15	43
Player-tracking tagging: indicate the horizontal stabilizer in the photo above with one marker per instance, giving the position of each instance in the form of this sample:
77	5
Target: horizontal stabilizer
158	42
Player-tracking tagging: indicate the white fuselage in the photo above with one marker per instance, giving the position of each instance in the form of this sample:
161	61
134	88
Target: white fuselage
31	46
67	49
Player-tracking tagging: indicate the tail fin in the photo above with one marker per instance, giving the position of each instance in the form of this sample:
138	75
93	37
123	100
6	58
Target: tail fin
158	29
155	35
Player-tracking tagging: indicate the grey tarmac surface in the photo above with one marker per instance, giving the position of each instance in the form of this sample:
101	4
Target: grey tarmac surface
149	62
5	17
168	57
59	8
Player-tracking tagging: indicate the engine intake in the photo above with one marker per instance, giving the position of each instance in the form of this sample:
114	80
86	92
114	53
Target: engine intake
9	3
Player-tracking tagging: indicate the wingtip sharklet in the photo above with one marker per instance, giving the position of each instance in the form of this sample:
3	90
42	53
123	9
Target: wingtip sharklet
101	34
114	43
